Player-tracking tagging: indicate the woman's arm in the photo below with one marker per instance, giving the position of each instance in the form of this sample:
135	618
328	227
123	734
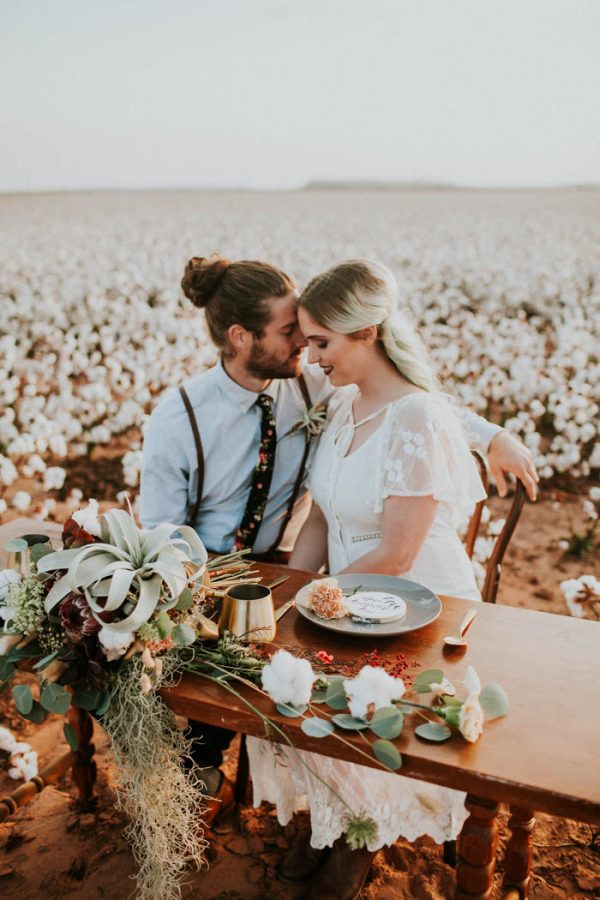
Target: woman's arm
310	549
405	524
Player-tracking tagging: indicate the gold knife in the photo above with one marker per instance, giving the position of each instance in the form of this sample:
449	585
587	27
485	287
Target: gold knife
283	609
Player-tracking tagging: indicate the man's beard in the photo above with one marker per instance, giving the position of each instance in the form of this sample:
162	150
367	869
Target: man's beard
262	364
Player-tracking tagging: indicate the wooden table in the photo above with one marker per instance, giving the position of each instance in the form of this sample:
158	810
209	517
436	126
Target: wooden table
542	756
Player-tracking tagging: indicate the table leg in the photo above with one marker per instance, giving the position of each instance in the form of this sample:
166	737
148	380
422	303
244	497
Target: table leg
477	849
519	852
84	768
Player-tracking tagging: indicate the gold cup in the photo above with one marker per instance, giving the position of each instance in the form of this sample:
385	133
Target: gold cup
20	551
248	613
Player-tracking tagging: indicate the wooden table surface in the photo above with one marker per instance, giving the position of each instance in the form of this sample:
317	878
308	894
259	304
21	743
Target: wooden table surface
543	755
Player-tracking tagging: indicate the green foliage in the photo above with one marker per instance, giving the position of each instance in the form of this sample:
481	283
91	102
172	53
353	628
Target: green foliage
71	736
292	712
23	698
360	831
387	722
37	713
55	699
433	731
183	635
186	600
387	755
349	723
316	727
424	680
336	695
494	701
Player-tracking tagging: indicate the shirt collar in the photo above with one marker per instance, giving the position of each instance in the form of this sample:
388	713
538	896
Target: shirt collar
241	396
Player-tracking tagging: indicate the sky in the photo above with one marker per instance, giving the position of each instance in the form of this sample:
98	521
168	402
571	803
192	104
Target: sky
277	93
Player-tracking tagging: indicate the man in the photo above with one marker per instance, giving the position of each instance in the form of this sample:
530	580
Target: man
209	453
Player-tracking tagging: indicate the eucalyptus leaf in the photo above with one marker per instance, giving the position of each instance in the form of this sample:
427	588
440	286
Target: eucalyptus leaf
42	663
71	736
15	545
318	696
316	727
387	722
7	668
185	599
103	704
387	754
292	712
183	635
86	699
350	723
336	695
39	550
433	731
23	698
37	714
424	680
56	699
494	701
164	624
29	651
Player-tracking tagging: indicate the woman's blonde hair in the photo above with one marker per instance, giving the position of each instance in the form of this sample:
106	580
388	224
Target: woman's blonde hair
357	294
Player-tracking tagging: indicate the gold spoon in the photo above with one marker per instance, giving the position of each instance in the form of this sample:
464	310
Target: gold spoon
459	639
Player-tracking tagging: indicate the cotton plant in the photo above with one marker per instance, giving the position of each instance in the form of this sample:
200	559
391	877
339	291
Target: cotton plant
582	596
22	760
511	314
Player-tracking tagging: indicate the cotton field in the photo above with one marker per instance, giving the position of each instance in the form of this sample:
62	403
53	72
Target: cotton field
93	328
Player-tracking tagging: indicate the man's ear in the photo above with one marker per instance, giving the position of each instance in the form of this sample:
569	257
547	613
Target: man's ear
239	338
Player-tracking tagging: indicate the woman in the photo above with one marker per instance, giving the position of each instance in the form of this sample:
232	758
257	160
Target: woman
392	477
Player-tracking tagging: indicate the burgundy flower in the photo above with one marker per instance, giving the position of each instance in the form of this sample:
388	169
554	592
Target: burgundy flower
75	536
76	617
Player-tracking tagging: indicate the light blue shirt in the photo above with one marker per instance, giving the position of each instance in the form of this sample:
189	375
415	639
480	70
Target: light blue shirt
229	421
229	424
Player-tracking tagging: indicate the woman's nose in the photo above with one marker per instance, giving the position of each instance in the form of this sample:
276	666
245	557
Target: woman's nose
313	355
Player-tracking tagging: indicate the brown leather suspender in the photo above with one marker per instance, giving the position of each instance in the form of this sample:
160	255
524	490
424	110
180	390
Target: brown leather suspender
192	514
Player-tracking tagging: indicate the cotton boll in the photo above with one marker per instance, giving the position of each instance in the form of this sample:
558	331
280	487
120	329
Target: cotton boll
21	501
54	478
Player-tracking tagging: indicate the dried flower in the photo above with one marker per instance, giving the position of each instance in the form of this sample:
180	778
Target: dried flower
361	831
470	718
326	599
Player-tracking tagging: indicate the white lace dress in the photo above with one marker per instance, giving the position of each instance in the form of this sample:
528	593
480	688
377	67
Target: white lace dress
418	450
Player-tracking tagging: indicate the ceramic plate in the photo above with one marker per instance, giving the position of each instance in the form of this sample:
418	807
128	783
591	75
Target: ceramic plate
422	606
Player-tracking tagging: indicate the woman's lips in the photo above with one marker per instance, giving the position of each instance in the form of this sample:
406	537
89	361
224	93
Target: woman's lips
327	369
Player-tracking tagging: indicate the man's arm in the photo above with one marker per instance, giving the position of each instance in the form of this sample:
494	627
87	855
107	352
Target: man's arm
164	479
504	451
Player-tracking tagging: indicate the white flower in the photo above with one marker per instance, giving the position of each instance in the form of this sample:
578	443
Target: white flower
114	643
287	679
442	687
470	718
373	688
88	518
7	740
54	478
563	545
495	527
595	494
8	577
21	501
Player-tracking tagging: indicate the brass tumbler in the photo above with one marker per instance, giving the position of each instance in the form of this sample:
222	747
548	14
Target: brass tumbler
20	551
248	613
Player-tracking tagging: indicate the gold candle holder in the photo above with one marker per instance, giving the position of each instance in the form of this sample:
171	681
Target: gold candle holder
19	551
248	613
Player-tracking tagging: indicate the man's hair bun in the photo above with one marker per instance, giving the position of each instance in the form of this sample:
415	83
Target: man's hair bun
202	277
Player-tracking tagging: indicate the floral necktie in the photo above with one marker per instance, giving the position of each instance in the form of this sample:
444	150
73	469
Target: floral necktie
261	478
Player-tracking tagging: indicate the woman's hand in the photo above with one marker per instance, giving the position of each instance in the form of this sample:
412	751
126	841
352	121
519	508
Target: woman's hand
507	454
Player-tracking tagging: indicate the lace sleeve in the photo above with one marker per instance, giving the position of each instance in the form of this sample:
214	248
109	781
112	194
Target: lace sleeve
426	454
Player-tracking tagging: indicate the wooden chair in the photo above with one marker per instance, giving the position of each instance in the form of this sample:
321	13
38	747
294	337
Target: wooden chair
494	564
